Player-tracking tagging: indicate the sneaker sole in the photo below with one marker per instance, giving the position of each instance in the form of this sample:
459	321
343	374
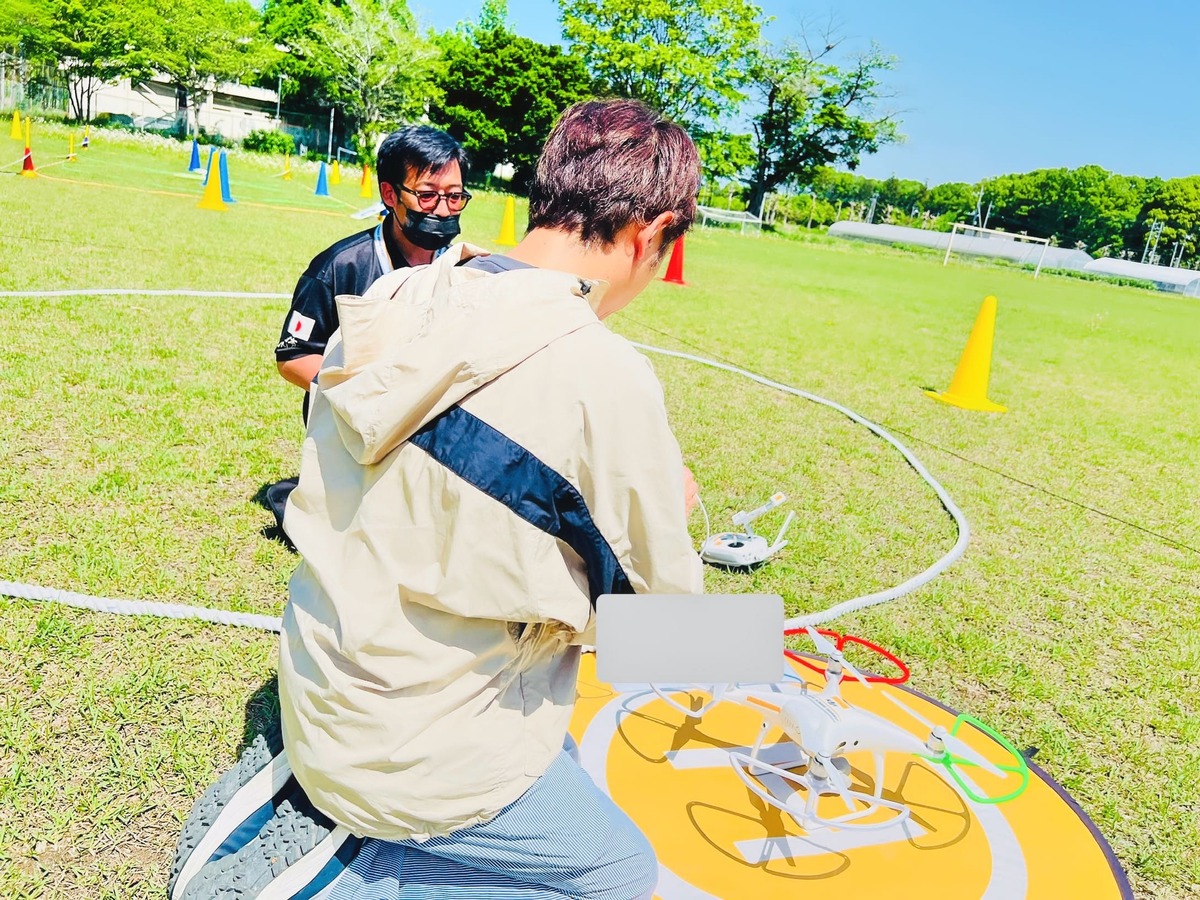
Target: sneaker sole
235	807
296	854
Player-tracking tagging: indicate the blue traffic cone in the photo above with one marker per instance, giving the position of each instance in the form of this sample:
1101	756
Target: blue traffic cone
223	168
212	151
194	165
322	183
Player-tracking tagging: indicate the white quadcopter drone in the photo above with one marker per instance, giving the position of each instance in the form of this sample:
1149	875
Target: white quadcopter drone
744	549
821	728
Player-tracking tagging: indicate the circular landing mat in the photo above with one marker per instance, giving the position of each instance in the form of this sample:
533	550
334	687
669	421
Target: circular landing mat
716	839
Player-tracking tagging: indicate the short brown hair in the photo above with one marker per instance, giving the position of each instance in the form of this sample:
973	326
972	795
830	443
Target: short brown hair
611	163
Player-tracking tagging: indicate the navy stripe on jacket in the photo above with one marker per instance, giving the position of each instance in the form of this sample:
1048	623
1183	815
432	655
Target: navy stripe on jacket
504	470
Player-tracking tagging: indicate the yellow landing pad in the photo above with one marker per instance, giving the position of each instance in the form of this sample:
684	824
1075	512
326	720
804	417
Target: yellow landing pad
715	839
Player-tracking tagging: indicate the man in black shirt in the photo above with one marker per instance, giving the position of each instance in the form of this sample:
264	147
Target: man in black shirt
421	173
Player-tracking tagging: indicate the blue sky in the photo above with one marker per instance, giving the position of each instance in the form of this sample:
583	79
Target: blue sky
988	88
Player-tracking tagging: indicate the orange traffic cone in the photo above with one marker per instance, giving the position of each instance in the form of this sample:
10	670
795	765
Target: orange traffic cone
969	386
27	168
675	266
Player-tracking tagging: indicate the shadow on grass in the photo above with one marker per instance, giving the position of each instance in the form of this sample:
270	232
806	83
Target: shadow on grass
262	714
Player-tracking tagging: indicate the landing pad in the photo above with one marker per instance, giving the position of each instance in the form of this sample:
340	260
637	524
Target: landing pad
715	839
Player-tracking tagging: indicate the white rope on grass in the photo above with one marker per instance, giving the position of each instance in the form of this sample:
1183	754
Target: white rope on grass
139	607
857	603
125	292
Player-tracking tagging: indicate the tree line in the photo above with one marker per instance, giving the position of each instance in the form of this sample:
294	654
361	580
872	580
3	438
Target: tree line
785	123
1103	213
703	63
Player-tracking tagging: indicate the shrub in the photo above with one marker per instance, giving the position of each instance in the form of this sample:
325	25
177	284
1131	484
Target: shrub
269	142
111	120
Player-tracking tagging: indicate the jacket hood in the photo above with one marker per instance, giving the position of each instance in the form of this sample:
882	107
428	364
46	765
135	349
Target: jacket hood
422	339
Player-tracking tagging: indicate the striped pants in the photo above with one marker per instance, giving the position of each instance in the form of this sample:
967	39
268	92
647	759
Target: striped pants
562	838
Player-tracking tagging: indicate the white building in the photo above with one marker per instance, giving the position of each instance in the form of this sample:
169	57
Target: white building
231	110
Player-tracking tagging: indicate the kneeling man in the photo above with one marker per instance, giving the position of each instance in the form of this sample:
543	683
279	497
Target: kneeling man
484	459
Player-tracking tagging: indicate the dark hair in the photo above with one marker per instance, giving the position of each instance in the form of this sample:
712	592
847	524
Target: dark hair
611	163
417	149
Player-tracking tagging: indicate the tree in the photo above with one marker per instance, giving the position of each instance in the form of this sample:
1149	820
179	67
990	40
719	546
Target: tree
689	59
285	25
724	155
502	93
814	113
904	194
1177	206
20	23
954	200
201	43
93	42
380	68
1088	205
841	187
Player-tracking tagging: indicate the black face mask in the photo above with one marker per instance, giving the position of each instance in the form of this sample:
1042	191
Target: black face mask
427	231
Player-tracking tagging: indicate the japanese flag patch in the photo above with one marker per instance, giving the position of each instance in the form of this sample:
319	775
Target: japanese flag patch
300	326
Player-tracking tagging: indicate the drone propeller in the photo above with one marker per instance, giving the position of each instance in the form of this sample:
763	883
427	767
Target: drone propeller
829	649
956	748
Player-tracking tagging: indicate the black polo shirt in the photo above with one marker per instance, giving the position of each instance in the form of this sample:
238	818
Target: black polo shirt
350	266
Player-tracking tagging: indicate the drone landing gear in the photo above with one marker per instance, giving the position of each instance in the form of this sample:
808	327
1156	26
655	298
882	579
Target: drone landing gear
806	795
799	785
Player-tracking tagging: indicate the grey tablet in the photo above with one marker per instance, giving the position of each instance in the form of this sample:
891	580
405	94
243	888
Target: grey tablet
701	638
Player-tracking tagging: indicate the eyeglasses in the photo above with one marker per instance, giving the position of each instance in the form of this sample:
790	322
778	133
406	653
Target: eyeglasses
429	200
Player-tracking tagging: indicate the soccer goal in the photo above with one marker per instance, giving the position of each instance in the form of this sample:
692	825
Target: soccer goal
976	241
728	217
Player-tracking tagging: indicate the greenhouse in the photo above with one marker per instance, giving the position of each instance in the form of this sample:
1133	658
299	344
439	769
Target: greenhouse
1165	278
996	246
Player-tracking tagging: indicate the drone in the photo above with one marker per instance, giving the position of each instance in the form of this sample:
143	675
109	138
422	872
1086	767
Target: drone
744	549
806	774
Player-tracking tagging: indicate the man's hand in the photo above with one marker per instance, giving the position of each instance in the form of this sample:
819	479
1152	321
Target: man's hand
691	490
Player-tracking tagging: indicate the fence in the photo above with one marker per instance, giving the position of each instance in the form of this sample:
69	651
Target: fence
32	86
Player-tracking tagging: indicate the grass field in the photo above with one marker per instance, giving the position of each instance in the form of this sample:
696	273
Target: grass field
138	430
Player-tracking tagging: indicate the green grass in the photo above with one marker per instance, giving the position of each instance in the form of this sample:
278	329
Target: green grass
139	429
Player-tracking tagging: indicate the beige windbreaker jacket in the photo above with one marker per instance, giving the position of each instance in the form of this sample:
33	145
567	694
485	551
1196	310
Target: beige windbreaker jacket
426	671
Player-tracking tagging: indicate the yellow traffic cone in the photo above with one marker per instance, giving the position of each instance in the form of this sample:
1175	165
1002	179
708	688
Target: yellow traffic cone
969	386
364	185
15	132
212	195
508	225
287	168
335	175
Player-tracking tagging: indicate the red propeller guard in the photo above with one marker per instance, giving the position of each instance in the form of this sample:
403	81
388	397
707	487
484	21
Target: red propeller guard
840	641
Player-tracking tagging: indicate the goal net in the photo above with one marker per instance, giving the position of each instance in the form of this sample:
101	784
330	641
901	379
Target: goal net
728	217
975	241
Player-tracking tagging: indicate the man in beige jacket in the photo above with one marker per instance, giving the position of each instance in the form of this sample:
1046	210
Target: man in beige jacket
484	459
